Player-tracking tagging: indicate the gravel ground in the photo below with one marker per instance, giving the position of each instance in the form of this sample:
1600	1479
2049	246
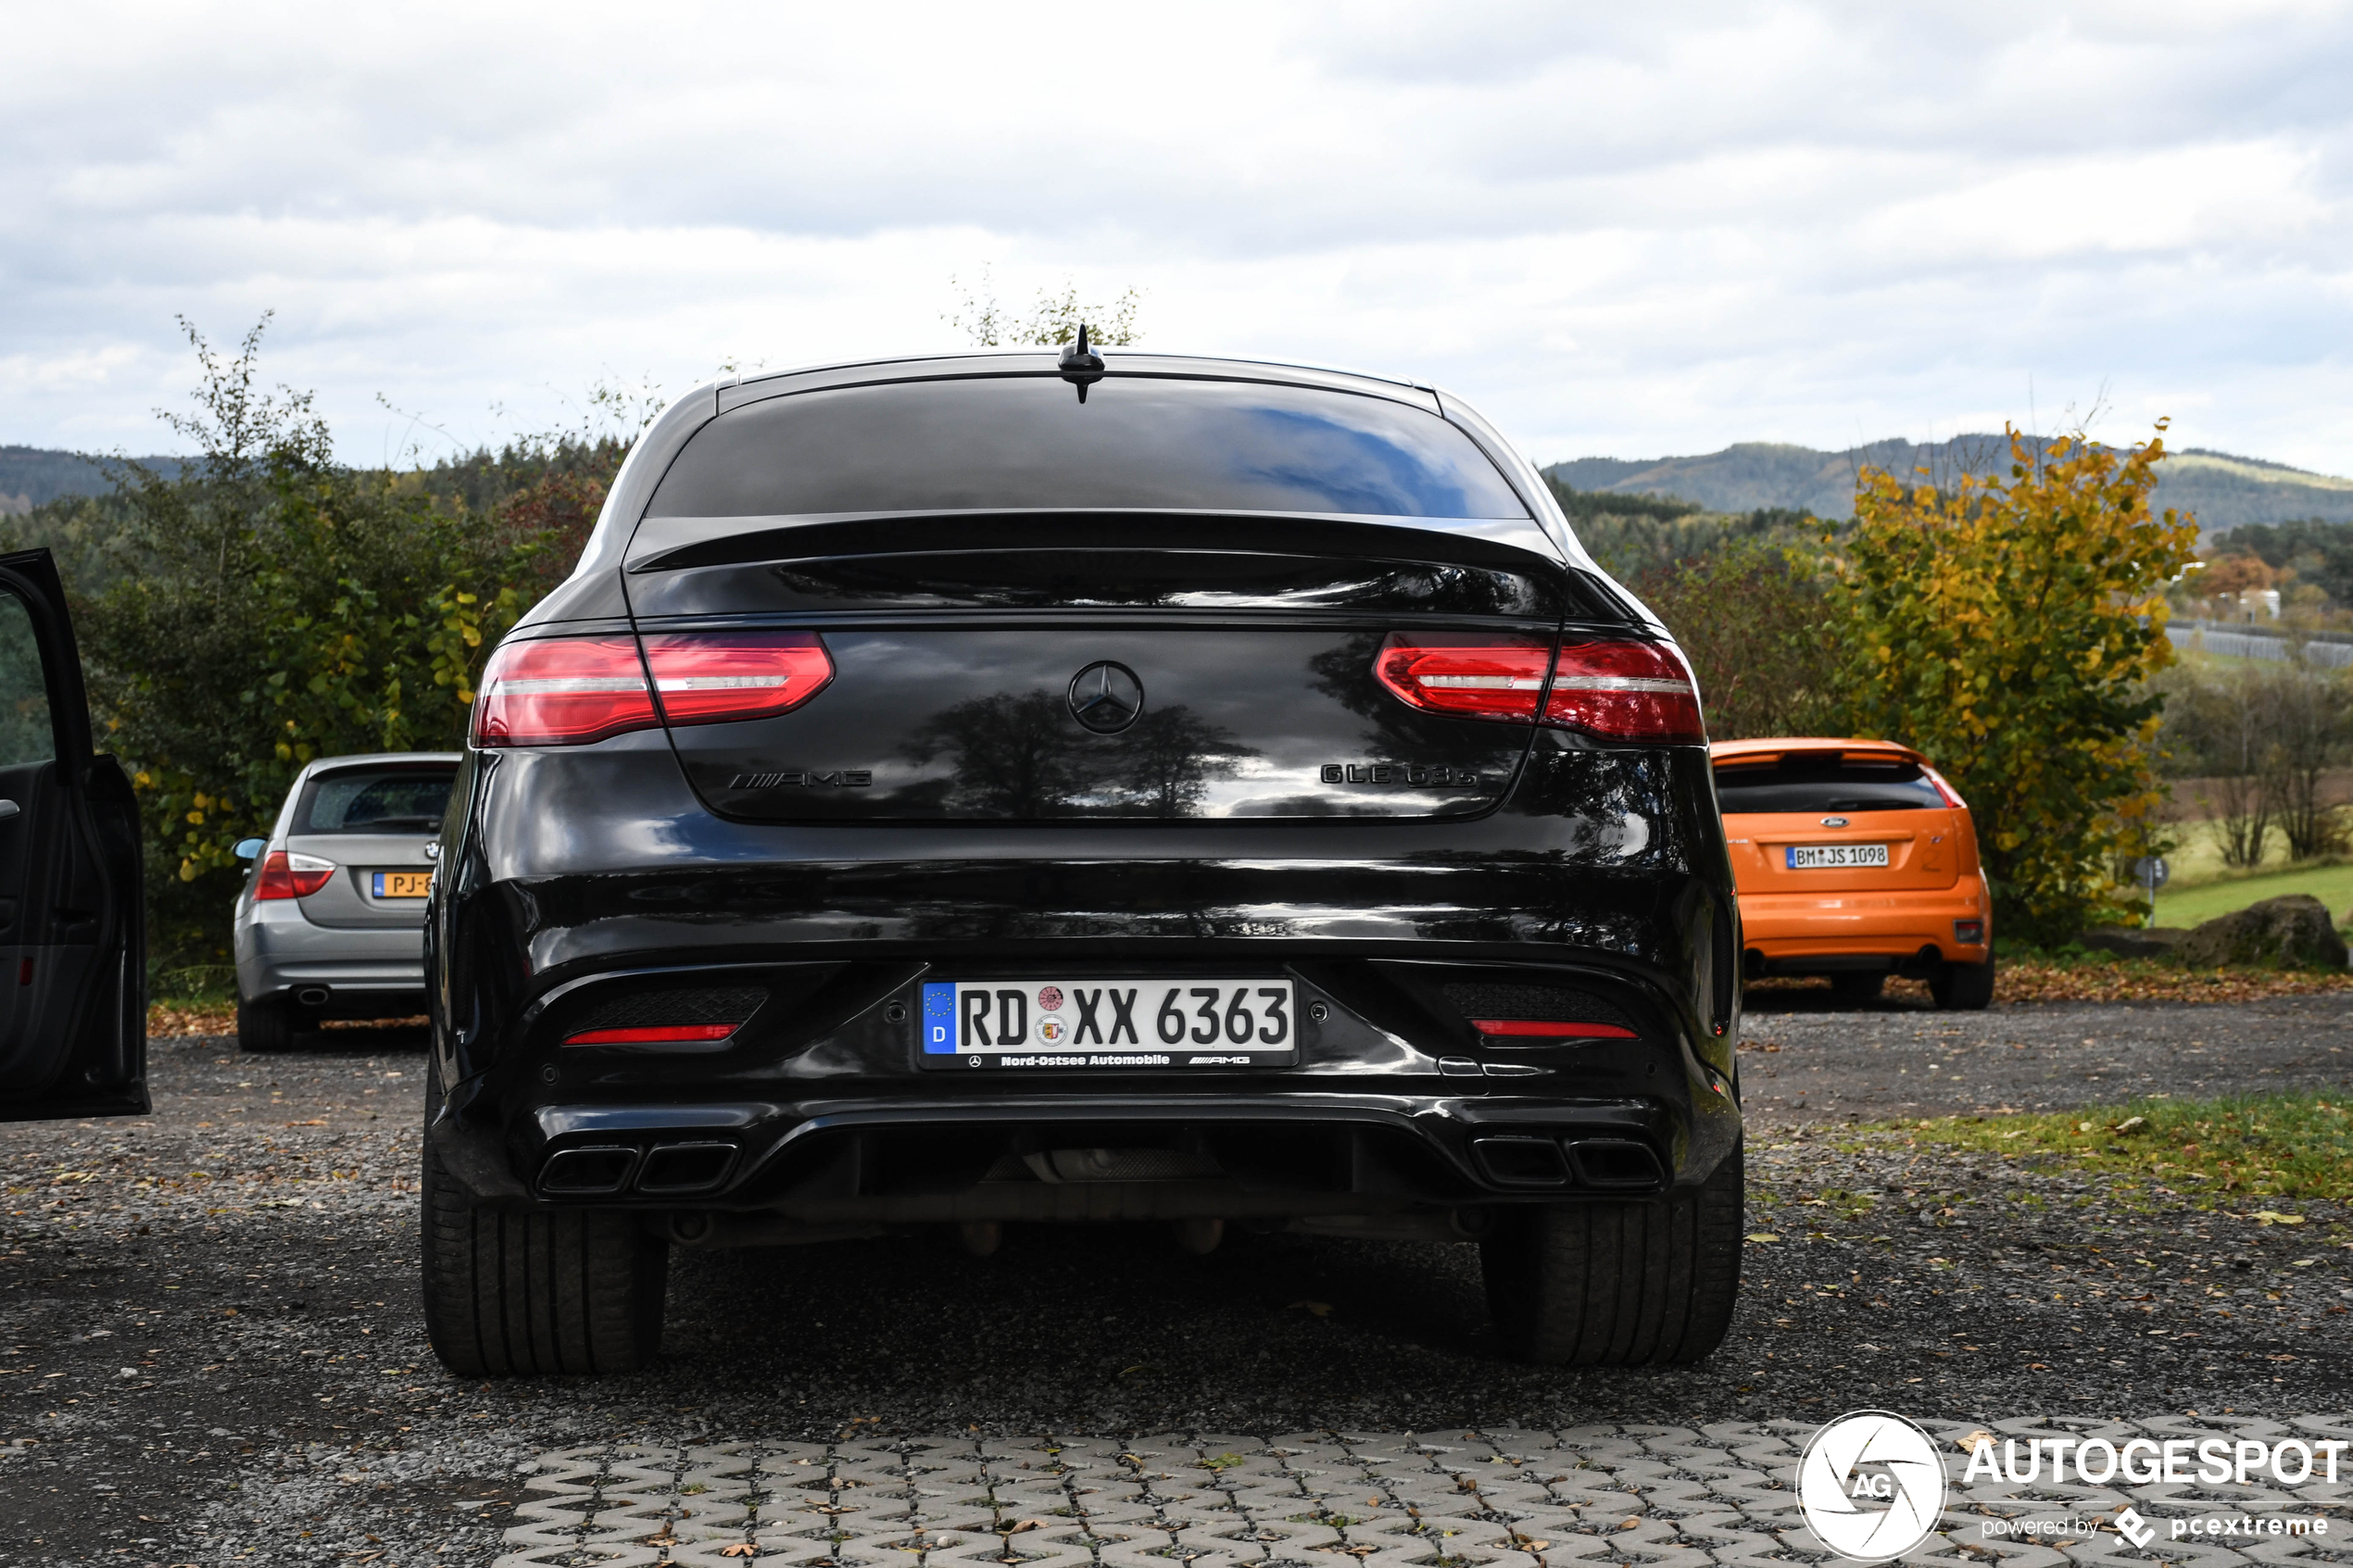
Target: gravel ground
214	1354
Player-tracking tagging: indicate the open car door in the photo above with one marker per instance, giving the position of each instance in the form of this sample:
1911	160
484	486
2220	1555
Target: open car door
73	984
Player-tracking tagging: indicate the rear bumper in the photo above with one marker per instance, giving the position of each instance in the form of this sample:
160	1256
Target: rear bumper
1093	1155
576	879
365	973
821	1109
1788	933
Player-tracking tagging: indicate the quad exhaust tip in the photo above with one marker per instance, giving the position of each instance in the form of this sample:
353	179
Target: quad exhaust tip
1533	1160
667	1170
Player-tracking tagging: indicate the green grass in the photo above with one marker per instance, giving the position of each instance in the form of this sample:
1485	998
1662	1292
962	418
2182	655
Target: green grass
2295	1146
2331	883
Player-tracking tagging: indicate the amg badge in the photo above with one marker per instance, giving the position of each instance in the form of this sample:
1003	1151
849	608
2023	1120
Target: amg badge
840	778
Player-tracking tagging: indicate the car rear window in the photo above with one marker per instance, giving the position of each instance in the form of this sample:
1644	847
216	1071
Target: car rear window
1824	782
393	800
1026	442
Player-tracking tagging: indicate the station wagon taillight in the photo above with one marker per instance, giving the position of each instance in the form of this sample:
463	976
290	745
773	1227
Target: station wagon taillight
569	691
1619	690
284	874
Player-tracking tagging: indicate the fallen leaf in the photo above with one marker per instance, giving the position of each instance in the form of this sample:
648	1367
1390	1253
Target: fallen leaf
1025	1524
741	1549
1764	1236
1321	1309
1628	1524
2273	1216
1970	1444
2131	1124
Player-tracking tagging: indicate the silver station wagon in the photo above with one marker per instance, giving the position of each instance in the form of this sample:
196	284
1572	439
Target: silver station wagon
330	923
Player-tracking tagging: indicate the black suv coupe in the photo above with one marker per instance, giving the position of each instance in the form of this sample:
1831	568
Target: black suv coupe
1019	787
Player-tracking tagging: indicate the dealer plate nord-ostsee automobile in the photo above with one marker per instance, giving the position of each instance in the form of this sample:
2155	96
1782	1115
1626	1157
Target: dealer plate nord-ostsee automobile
1151	1023
1831	856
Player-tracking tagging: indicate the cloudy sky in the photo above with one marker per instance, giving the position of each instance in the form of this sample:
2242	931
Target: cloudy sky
1619	230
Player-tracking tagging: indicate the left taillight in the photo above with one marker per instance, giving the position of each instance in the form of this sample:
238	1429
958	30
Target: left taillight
571	691
707	678
1619	690
284	874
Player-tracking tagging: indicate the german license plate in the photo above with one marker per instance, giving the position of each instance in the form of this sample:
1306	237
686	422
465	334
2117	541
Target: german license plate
1153	1023
403	884
1831	856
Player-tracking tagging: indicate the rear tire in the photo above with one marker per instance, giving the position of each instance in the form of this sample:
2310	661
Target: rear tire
266	1026
1858	986
525	1293
1963	987
1640	1283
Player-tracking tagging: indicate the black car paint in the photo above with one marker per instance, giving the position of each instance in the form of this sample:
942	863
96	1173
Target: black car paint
72	898
631	865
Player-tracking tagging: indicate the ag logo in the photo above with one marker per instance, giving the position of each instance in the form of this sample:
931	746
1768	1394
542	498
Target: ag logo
1871	1485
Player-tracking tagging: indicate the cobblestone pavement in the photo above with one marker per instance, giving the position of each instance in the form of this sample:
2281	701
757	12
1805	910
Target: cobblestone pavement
1671	1495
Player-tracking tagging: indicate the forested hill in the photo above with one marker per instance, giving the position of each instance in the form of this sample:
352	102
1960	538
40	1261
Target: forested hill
30	475
2224	491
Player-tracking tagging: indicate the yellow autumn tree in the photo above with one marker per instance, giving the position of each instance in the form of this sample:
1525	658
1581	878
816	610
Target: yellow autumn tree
2005	626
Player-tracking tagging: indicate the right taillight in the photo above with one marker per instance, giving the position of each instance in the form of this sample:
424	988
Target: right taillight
1619	690
569	691
1627	691
284	874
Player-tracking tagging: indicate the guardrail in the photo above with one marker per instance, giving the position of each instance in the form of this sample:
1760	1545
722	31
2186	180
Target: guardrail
2329	650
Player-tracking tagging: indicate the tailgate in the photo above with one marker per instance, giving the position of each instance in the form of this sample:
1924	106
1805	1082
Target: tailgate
1026	684
1772	854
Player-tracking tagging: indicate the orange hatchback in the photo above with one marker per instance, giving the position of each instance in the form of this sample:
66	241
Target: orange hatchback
1854	860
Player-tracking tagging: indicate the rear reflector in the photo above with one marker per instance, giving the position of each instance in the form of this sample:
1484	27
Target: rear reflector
571	691
1546	1029
717	678
287	875
1620	690
654	1034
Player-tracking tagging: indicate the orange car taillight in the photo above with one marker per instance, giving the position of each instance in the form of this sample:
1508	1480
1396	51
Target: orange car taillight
287	875
1547	1029
1619	690
569	691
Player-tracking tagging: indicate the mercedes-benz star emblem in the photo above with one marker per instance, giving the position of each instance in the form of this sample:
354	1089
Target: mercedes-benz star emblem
1106	697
